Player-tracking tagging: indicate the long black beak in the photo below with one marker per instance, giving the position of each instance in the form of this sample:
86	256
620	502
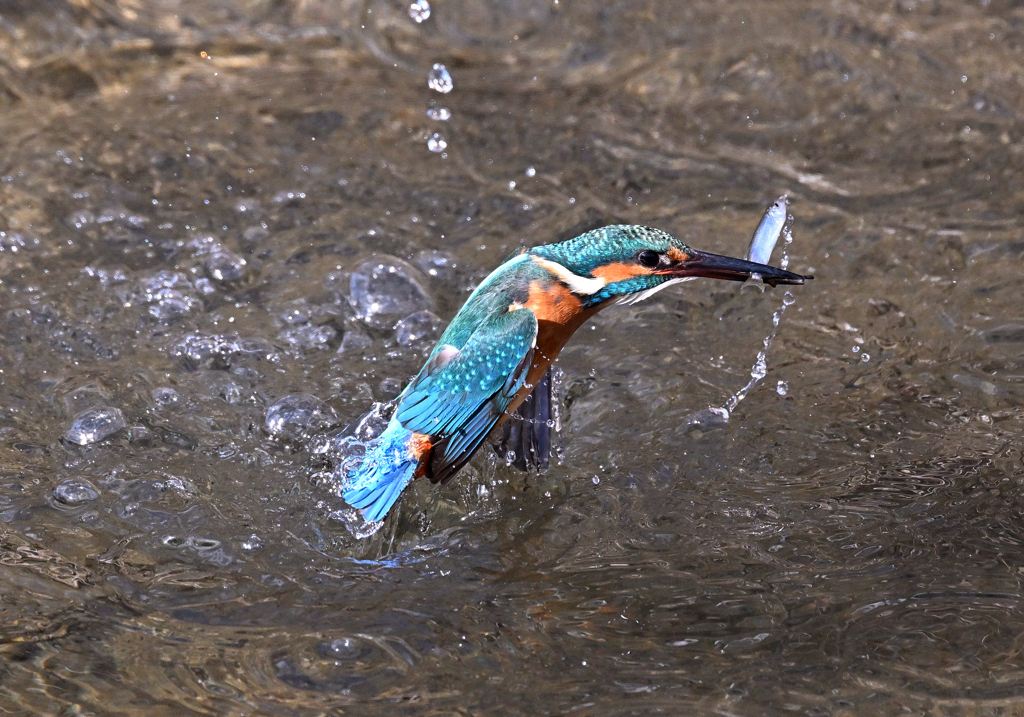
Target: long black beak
714	266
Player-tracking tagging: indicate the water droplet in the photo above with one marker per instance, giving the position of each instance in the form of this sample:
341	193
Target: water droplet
437	143
788	298
435	264
75	492
310	338
439	80
169	294
760	368
354	522
865	358
165	396
595	480
81	219
856	349
441	114
531	172
385	290
373	423
707	419
510	457
288	197
419	10
253	542
94	425
297	416
416	328
783	388
345	648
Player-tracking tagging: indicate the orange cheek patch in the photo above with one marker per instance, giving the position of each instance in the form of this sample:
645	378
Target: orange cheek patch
552	303
678	254
619	272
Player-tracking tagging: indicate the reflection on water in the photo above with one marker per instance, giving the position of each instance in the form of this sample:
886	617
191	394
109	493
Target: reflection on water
229	229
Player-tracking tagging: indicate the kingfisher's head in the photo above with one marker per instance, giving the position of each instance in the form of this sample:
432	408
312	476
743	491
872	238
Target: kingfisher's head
629	261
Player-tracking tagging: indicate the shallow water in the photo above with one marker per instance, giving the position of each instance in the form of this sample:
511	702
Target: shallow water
192	192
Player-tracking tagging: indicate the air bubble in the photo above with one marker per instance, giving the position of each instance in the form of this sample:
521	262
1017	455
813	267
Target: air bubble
417	328
223	265
165	396
94	425
75	492
384	291
297	416
865	358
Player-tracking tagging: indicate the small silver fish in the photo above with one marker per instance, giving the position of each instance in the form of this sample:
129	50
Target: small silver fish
768	231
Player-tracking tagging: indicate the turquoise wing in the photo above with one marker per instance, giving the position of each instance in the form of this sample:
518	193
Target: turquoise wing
461	393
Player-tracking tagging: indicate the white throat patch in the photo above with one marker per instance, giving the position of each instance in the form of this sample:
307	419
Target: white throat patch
629	299
582	285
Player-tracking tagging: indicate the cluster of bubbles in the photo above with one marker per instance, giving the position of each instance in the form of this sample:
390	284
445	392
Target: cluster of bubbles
385	294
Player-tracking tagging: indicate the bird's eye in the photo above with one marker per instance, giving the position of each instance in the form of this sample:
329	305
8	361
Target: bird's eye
648	258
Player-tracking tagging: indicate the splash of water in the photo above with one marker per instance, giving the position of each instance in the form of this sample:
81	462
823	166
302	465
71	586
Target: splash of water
760	368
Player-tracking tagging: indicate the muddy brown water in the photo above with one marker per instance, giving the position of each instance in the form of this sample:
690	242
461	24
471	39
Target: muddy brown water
185	192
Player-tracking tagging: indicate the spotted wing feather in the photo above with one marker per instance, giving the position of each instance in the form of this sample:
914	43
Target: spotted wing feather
457	401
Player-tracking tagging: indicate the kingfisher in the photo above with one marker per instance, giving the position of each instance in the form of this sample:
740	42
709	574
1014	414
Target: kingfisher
500	345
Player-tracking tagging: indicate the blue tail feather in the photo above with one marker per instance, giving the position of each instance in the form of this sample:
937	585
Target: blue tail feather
387	467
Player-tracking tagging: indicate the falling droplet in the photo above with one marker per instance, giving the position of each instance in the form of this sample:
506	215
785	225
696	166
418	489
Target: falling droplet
441	114
439	80
760	368
419	10
437	143
865	357
596	480
531	172
783	388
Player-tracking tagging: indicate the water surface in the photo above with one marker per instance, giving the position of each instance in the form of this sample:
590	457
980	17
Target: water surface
186	191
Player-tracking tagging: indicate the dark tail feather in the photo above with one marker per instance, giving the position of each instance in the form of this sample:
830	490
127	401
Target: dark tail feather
528	434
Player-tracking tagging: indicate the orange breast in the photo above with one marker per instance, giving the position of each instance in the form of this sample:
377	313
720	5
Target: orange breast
552	302
559	314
